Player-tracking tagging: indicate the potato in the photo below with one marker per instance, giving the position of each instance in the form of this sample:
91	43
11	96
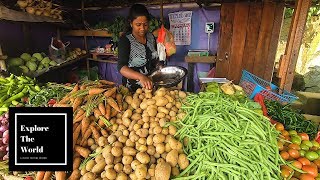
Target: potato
93	147
125	133
103	174
160	115
160	92
134	137
151	102
148	95
152	160
152	112
98	168
128	99
183	161
167	148
157	130
142	133
151	130
178	105
136	103
173	143
114	127
140	122
90	142
160	148
146	125
133	176
151	171
153	124
146	119
173	119
141	96
126	121
134	164
181	115
122	176
172	113
157	119
122	127
144	105
136	116
90	165
116	151
118	133
172	157
151	150
136	127
117	144
117	160
175	171
83	171
99	158
122	139
119	121
131	125
139	91
182	94
159	138
112	139
89	176
163	121
162	171
169	106
127	169
102	141
156	155
142	148
142	141
109	166
161	101
143	157
125	106
118	167
127	160
109	158
111	173
129	151
150	140
104	133
141	171
172	130
165	131
163	110
129	143
152	119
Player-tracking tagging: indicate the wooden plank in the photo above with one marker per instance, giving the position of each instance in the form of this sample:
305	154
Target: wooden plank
87	33
253	28
226	27
238	40
12	15
190	83
200	59
264	38
277	23
293	45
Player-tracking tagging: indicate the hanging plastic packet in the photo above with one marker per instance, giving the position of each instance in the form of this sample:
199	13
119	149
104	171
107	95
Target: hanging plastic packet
160	44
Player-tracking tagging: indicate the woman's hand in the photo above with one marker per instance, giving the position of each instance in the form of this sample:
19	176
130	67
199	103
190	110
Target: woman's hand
145	82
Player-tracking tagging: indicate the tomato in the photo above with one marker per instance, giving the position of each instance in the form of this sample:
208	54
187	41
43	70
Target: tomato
285	133
302	153
304	147
296	139
293	132
304	136
294	153
285	155
306	177
313	165
280	146
304	161
313	171
317	162
285	173
294	146
311	155
297	164
308	143
279	127
318	151
315	144
28	178
287	167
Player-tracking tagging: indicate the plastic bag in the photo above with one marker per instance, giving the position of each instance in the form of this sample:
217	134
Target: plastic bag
57	50
165	38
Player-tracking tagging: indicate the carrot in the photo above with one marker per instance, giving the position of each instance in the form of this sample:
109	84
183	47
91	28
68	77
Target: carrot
76	163
102	108
82	87
113	103
40	175
61	175
97	113
94	91
114	96
101	123
79	118
79	113
106	82
76	154
104	132
76	103
86	135
76	134
85	125
75	175
95	133
84	152
110	92
64	99
92	118
75	125
61	105
75	89
108	111
47	175
113	113
79	141
119	100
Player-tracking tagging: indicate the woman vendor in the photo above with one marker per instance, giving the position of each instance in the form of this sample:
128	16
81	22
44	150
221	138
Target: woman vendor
137	50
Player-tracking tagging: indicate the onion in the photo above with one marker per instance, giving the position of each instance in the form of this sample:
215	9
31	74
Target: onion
6	115
22	4
4	121
3	148
5	133
2	153
46	12
3	128
38	12
5	140
6	157
2	117
7	148
30	10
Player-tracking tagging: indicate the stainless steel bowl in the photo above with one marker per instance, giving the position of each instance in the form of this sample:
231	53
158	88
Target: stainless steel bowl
168	76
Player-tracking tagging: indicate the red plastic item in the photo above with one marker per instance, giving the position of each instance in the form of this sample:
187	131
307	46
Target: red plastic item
318	137
259	98
161	35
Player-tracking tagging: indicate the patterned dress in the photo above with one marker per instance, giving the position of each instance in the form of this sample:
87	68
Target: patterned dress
137	56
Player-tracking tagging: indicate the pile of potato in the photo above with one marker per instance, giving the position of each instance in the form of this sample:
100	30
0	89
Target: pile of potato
141	144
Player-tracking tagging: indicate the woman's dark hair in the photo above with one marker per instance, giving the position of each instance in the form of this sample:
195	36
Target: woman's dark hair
137	10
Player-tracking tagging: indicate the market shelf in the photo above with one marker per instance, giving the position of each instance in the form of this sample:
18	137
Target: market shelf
66	63
96	33
13	15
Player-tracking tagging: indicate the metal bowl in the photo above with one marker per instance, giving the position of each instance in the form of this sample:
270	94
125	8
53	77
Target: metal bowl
168	76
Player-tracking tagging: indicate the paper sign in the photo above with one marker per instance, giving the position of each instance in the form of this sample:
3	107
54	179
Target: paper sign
180	26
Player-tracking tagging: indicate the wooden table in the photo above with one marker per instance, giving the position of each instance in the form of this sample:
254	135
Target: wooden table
96	57
191	60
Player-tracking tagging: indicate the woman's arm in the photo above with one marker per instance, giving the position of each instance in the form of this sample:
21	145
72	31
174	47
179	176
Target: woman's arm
131	74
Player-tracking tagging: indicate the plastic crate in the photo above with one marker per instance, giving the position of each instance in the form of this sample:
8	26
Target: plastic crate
252	85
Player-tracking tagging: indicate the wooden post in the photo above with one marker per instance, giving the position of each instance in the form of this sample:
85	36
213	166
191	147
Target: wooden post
289	60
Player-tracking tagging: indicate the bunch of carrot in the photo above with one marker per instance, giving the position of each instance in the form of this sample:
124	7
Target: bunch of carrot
94	103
